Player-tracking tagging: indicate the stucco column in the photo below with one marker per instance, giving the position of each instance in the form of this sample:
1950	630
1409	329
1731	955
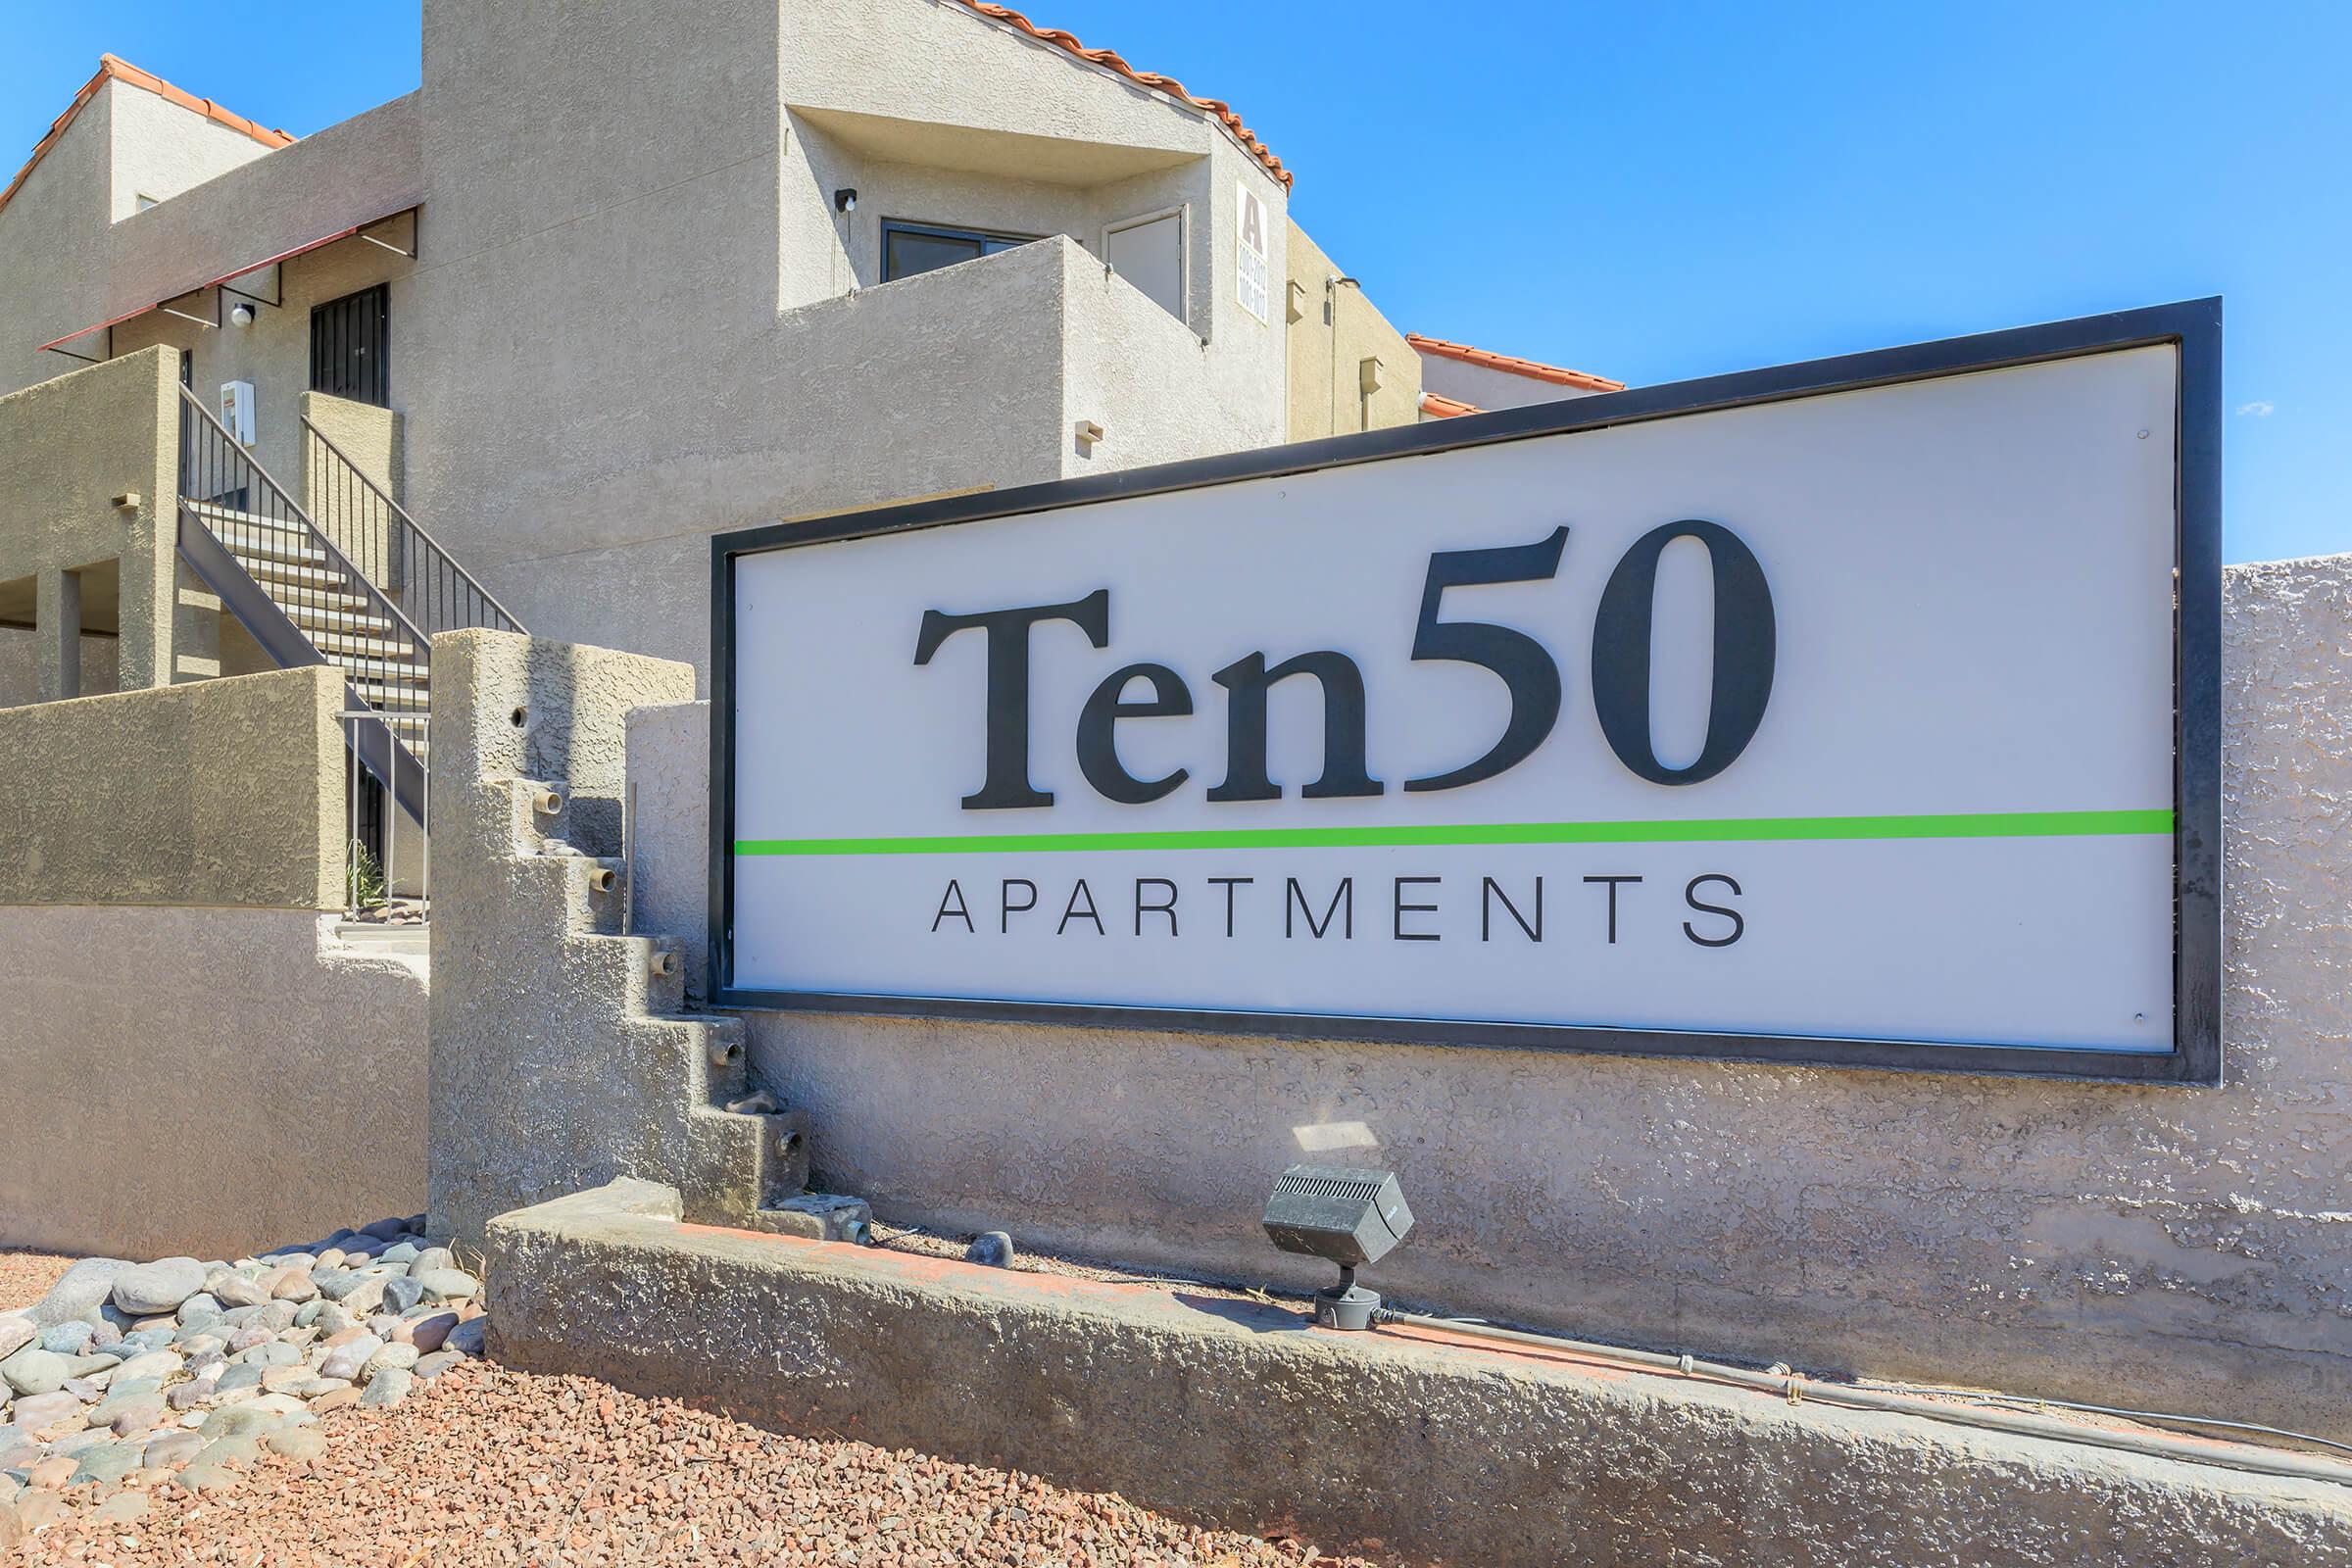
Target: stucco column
57	619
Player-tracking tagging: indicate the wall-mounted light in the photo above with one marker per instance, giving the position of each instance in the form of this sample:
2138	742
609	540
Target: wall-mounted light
241	313
845	199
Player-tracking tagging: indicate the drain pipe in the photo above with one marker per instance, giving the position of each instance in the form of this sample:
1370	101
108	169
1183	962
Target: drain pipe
1795	1389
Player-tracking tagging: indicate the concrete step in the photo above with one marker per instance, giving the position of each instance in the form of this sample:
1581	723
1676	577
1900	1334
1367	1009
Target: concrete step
217	516
358	615
284	545
403	670
360	646
415	699
324	586
409	941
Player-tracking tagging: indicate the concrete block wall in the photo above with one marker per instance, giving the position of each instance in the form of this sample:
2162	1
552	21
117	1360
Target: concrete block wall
560	1054
2169	1249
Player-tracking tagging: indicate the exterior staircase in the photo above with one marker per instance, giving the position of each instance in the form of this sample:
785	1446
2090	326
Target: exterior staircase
361	587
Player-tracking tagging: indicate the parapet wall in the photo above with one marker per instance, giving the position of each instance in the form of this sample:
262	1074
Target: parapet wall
2165	1248
220	791
209	1082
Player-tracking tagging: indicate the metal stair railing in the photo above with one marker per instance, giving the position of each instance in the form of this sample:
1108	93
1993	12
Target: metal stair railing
391	548
318	595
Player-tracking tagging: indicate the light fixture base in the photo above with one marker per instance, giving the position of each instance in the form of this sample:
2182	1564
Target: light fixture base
1347	1305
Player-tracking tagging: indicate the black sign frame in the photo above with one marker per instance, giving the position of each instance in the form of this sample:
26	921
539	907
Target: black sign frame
2194	328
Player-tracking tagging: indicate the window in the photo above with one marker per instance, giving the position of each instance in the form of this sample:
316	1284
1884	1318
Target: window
912	248
1149	252
145	201
347	347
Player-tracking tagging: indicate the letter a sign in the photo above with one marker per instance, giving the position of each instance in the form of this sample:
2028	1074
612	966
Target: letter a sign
1859	712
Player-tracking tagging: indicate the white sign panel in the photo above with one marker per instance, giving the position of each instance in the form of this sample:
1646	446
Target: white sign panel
1249	251
1836	725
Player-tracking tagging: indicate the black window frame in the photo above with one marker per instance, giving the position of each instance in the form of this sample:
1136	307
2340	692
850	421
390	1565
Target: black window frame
375	387
1001	239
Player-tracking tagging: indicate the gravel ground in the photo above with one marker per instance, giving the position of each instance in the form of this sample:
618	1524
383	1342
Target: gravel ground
26	1277
494	1466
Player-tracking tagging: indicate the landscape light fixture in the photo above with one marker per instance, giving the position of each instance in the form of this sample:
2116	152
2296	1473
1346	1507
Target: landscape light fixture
1346	1216
845	199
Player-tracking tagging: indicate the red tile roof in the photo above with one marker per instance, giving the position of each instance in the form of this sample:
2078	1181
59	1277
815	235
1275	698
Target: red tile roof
1069	44
1442	408
1512	364
112	68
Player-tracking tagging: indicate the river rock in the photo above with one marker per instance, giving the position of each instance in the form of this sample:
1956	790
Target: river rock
346	1359
79	1291
16	1333
429	1334
402	1356
431	1258
429	1367
153	1364
158	1287
291	1285
202	1304
34	1411
172	1449
449	1285
33	1370
387	1388
107	1462
401	1293
61	1338
141	1416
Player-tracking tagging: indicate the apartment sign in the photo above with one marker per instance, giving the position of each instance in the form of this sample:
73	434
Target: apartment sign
1844	713
1249	251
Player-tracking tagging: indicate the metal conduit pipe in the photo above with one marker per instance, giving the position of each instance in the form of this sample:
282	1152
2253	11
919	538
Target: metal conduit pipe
2155	1445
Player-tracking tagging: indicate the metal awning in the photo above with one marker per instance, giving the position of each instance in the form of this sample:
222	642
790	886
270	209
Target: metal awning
355	231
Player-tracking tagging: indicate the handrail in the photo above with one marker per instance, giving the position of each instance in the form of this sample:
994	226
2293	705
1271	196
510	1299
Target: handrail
359	582
306	614
513	623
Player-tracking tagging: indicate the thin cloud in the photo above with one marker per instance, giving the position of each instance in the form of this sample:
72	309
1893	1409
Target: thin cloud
2260	410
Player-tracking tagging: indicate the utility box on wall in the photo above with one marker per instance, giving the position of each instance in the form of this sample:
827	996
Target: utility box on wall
236	410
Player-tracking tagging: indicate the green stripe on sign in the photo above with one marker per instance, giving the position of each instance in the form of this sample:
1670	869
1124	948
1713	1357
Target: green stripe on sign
1718	830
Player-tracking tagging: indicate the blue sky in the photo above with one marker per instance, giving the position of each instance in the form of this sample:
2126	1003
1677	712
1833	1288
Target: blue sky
1661	191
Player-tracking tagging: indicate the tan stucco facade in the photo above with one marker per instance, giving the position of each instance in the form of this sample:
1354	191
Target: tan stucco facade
213	1082
213	793
70	450
1349	370
644	308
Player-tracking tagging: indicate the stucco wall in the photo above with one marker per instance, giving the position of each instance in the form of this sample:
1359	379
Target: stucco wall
53	244
162	149
67	447
273	353
2167	1248
972	376
203	1081
223	792
1336	329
